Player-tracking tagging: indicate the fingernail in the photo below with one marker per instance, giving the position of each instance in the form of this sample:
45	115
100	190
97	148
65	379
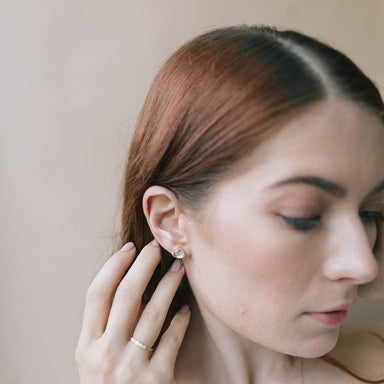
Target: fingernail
155	243
184	309
176	266
127	247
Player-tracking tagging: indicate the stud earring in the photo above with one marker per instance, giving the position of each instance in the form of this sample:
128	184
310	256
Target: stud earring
178	253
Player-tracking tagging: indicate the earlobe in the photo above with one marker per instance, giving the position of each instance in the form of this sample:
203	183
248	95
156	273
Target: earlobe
165	218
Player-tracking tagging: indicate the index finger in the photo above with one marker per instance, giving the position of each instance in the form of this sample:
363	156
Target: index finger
101	291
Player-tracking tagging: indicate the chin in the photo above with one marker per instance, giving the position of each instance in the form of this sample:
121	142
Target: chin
319	345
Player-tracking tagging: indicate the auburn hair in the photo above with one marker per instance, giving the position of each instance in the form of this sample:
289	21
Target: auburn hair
213	102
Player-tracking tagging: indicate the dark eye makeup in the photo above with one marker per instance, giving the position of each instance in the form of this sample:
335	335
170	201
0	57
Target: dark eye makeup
308	223
370	217
302	223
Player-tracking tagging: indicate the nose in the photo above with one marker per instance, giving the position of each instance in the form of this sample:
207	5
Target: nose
350	253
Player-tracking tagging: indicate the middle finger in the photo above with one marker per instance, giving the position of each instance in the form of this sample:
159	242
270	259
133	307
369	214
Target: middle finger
127	301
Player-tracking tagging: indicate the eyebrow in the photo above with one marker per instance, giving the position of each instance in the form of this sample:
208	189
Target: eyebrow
324	184
319	182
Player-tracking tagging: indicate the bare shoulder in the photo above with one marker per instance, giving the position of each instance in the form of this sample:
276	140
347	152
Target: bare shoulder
363	333
360	351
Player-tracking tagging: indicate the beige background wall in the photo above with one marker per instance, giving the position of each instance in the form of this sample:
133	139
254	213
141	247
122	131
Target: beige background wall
73	75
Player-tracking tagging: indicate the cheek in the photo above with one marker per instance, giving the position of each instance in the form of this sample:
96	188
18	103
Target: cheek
241	271
372	235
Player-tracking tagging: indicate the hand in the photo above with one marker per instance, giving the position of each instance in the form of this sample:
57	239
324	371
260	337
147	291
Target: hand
114	313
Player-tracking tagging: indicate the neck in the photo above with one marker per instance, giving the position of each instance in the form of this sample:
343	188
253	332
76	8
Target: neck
214	353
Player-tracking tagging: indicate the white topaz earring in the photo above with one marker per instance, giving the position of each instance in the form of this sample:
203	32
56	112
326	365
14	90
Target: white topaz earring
178	253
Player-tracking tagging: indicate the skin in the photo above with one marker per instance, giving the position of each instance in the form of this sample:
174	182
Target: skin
113	313
255	276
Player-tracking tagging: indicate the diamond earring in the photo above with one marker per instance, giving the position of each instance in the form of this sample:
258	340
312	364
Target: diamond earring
178	253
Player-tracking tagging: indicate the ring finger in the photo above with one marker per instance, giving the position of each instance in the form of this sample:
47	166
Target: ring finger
152	319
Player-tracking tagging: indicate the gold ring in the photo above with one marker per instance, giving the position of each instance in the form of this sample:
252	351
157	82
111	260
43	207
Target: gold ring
140	344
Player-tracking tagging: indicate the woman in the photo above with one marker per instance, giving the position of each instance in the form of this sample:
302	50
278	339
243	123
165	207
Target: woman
257	164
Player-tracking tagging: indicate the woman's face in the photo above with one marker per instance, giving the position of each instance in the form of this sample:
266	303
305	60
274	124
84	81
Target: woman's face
277	252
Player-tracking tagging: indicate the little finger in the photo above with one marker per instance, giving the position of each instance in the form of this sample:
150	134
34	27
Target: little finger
166	352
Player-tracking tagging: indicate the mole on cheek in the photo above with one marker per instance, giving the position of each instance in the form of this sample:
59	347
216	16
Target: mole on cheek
239	327
239	324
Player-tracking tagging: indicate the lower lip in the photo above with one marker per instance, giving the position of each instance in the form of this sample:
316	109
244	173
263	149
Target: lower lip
329	318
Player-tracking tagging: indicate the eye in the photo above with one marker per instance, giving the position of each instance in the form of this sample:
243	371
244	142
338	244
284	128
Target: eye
370	217
302	223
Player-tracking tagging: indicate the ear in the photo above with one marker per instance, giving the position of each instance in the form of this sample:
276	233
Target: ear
164	215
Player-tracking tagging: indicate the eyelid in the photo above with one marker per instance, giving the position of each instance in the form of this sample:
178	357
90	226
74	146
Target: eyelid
299	203
377	206
373	208
302	223
372	214
300	214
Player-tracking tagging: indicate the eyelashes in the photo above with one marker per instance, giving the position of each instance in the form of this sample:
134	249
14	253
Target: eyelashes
302	223
308	223
370	217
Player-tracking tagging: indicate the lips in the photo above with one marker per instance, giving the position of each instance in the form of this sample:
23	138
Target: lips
333	316
342	307
329	318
